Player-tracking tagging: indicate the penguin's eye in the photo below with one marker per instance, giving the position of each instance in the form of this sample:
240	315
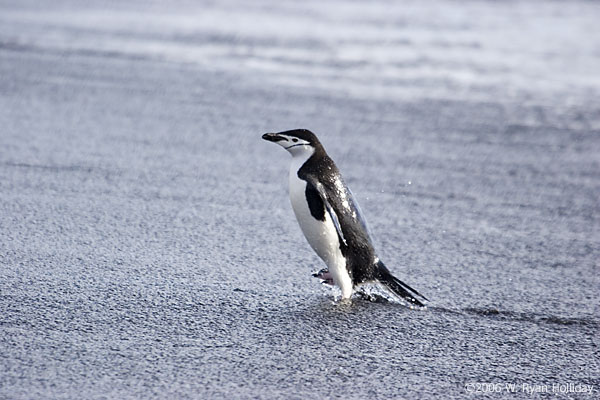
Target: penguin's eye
294	140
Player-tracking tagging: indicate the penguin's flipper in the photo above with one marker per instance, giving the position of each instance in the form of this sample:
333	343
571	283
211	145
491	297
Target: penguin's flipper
336	222
398	287
315	188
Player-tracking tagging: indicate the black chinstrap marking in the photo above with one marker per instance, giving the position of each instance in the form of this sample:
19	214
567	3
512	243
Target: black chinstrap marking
296	145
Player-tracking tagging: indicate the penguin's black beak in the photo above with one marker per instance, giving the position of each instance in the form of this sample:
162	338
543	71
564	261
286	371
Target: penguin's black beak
273	137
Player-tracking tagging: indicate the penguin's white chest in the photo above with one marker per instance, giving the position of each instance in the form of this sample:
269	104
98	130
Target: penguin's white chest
321	235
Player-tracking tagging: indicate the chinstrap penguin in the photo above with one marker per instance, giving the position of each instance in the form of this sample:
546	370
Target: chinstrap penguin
331	219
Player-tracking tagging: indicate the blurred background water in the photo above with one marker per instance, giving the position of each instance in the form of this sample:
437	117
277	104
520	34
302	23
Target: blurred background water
147	244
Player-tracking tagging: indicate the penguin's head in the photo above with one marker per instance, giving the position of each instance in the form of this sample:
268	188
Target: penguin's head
297	141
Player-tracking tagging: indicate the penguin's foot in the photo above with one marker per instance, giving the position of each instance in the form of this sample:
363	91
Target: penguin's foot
325	276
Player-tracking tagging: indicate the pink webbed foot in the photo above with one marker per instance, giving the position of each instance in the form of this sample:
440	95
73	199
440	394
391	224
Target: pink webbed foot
325	276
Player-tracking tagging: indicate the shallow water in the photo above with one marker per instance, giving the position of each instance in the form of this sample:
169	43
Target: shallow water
147	244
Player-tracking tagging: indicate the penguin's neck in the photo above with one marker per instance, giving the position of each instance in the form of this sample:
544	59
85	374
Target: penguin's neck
300	155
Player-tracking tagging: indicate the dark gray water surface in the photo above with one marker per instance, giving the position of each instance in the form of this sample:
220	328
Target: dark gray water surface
147	244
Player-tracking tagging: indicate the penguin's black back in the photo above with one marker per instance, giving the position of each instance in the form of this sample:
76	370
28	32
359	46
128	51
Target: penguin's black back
358	249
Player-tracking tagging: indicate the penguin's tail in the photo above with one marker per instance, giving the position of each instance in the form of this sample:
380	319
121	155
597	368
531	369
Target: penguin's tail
398	287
